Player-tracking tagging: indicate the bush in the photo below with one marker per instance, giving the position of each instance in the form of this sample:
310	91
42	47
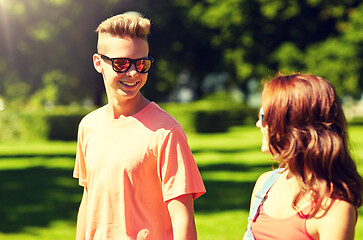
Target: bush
204	116
58	124
16	125
356	121
211	115
63	122
8	123
211	121
33	125
183	113
63	127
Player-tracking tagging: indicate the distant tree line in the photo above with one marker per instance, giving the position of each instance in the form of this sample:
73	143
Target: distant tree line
46	46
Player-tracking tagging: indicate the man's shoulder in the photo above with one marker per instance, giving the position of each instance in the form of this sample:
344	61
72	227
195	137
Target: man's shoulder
95	114
163	117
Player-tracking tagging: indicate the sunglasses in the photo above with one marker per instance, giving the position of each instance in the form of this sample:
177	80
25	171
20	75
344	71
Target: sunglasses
121	65
262	115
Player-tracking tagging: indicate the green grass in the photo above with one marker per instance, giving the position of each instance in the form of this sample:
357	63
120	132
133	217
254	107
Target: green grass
39	198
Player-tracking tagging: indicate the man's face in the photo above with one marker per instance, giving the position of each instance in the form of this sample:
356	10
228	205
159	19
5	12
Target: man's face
122	86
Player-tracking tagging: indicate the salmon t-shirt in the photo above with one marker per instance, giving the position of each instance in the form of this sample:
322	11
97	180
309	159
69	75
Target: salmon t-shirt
131	166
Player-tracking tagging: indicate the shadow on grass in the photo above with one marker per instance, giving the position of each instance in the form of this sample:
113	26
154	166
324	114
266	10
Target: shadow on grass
228	195
234	167
224	196
17	156
223	150
36	197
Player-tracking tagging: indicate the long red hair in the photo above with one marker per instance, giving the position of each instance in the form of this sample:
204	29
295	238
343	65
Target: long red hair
307	133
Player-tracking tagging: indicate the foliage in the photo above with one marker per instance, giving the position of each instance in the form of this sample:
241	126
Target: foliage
328	59
56	124
217	113
48	45
357	121
17	125
63	126
210	122
53	91
260	37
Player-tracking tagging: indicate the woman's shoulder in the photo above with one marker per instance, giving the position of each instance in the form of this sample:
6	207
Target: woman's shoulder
340	209
260	181
263	177
340	214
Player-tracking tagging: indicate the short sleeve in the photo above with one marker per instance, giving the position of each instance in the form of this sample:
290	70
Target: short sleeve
80	170
179	172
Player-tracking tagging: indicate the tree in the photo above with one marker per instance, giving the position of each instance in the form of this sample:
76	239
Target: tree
241	39
256	38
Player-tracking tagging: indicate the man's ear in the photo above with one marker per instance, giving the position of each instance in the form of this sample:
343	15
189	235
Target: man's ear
97	62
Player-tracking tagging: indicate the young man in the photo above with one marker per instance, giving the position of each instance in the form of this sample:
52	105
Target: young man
133	159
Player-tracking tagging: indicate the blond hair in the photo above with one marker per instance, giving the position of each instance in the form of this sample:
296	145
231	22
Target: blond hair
124	25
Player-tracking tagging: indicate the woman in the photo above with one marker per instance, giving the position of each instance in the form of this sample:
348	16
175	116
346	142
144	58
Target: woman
317	190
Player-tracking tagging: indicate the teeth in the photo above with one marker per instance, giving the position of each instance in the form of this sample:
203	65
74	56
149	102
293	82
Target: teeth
129	84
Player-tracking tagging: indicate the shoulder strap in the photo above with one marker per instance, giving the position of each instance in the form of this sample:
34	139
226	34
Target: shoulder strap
261	194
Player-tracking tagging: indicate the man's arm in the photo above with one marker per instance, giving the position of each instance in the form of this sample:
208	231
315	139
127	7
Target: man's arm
182	217
82	217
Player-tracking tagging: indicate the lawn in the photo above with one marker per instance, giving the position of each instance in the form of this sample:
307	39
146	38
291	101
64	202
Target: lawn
39	198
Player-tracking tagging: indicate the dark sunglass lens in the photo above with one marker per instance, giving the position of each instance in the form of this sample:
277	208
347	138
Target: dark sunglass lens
262	115
121	65
143	65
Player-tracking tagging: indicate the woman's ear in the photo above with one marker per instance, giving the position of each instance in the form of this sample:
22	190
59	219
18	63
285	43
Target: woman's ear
97	62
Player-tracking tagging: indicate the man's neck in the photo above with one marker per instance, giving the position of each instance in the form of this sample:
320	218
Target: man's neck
126	108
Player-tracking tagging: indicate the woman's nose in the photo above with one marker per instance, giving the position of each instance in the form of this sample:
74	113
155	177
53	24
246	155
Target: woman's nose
258	123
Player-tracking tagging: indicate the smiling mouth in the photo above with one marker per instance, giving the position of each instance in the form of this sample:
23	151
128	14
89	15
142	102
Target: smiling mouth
129	83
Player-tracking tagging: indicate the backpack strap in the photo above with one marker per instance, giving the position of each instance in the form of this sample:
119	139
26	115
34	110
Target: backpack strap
261	194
